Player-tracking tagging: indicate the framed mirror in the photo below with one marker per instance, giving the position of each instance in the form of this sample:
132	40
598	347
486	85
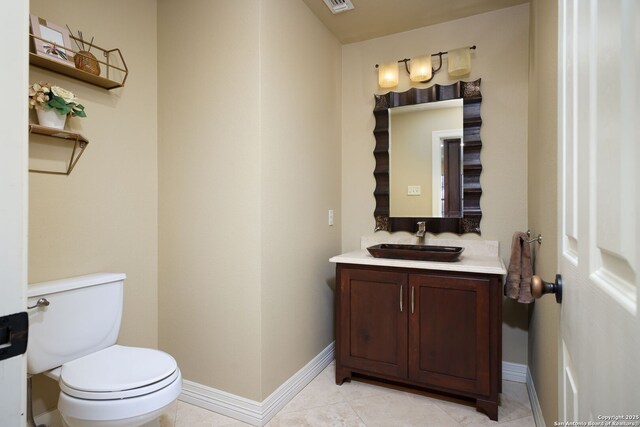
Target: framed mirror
428	159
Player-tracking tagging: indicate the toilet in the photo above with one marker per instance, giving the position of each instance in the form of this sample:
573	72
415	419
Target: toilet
72	339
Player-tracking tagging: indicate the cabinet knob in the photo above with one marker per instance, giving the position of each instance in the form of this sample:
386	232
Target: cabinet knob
539	287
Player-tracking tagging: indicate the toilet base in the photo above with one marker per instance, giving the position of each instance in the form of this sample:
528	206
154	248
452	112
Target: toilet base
133	412
147	420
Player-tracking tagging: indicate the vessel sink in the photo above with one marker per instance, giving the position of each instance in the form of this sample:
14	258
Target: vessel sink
416	252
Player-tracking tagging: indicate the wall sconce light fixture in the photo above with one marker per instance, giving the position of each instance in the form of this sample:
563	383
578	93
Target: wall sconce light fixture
388	74
422	71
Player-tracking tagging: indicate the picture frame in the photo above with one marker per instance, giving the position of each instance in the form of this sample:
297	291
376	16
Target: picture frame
51	41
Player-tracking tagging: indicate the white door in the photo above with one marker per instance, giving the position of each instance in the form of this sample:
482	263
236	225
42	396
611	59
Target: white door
599	224
14	18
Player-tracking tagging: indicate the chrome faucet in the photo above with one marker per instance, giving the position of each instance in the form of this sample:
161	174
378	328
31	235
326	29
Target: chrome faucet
422	229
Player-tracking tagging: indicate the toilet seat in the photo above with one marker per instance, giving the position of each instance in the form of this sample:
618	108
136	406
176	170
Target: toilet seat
118	372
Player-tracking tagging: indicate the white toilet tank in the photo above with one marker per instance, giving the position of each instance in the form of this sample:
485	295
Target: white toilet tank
83	316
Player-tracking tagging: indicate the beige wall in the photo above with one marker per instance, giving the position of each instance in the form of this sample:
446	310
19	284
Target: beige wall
209	198
300	175
501	60
103	216
249	154
543	186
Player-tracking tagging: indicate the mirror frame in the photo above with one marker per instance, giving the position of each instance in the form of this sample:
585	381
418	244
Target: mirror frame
471	97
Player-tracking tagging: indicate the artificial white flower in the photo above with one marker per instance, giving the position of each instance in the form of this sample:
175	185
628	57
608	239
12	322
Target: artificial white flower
63	93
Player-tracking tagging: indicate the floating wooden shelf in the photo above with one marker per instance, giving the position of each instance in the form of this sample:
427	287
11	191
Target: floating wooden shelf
78	142
107	78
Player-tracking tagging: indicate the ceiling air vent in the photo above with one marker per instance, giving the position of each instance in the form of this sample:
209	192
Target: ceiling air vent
337	6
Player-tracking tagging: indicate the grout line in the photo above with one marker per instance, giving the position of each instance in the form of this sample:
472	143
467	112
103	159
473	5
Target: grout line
354	411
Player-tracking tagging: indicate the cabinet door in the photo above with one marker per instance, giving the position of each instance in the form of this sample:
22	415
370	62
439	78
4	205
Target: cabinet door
449	332
372	322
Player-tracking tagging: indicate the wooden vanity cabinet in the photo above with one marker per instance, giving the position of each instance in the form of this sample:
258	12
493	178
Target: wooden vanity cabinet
434	329
373	332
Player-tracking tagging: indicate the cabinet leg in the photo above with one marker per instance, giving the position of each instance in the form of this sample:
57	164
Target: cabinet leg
342	375
488	407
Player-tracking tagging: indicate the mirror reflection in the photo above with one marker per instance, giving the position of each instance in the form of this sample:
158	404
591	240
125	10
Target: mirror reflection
425	159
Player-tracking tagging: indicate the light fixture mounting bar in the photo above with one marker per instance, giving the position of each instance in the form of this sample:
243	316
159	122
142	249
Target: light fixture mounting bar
406	60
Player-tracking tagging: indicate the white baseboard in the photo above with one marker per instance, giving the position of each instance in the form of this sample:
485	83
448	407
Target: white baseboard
251	411
535	403
515	372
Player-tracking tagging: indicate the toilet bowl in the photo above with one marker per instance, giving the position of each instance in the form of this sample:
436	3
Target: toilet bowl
72	340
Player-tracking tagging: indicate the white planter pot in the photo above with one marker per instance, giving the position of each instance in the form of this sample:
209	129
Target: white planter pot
51	119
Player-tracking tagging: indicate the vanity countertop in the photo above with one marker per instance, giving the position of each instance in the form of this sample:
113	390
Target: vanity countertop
470	263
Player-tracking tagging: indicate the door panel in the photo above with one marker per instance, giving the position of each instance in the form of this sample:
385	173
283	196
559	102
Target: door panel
614	246
450	332
13	206
13	202
599	231
375	306
570	408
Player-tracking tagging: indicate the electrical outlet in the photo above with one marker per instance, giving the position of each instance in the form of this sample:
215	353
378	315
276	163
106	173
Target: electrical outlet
414	190
330	216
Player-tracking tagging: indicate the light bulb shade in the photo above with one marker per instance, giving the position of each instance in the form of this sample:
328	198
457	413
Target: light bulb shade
420	68
459	61
388	74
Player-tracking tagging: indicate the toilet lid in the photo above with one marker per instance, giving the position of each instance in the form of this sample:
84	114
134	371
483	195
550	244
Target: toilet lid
118	369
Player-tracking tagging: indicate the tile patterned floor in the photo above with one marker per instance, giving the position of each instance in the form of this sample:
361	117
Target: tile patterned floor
364	404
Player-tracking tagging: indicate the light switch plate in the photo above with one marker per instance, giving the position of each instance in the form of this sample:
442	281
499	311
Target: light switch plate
414	190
